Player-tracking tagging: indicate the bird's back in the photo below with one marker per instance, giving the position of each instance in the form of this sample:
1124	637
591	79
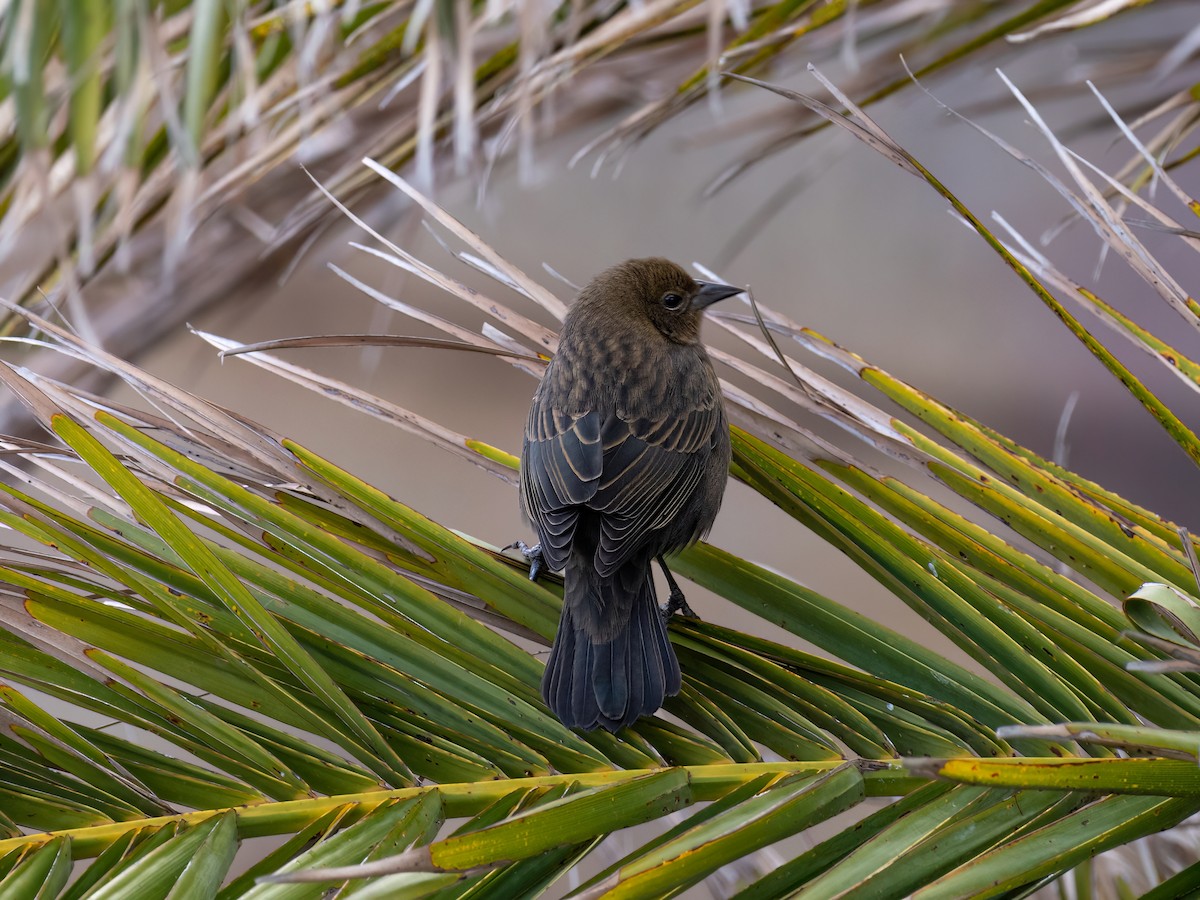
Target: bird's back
626	419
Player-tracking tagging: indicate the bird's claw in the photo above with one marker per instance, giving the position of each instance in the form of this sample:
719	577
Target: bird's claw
533	556
677	603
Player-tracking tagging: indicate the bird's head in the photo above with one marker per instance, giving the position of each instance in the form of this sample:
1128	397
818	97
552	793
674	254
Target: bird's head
654	292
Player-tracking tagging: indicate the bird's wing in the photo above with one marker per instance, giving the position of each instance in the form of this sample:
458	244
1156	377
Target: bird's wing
638	474
651	469
561	465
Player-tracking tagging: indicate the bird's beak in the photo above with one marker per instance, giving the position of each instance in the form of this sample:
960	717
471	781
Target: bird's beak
710	292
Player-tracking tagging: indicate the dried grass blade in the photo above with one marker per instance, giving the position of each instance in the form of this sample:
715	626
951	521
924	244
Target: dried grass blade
1107	223
374	340
523	282
443	437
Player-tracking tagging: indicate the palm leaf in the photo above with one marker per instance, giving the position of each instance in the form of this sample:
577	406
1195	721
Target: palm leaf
210	633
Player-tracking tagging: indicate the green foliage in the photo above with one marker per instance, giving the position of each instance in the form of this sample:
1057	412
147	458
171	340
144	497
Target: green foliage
283	650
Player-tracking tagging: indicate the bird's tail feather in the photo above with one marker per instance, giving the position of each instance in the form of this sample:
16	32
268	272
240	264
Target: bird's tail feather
612	678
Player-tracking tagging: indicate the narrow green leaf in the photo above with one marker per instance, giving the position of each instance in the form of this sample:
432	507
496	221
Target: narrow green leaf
487	649
42	873
167	650
528	877
854	685
943	594
47	812
891	844
474	570
337	628
1018	479
145	841
1153	776
79	756
693	707
155	873
8	861
8	828
169	606
85	23
347	847
909	734
1059	846
767	727
326	772
847	634
175	780
930	842
205	49
1134	515
190	716
62	764
101	867
1181	884
680	747
232	592
388	591
975	545
1091	557
799	871
571	820
760	714
778	811
439	754
210	861
408	886
824	708
1112	688
304	835
22	769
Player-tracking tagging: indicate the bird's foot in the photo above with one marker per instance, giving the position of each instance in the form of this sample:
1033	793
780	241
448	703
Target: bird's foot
677	603
533	556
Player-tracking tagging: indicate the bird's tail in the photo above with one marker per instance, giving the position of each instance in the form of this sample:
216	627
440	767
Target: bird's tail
612	662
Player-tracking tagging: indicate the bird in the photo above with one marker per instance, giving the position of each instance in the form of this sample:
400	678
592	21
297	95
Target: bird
624	460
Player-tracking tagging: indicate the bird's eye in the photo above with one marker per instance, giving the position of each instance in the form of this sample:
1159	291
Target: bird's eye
672	301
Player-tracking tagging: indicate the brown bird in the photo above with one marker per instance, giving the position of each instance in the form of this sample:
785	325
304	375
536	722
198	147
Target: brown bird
625	459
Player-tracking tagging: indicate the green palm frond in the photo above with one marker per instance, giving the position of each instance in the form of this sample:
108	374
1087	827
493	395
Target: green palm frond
275	647
209	633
